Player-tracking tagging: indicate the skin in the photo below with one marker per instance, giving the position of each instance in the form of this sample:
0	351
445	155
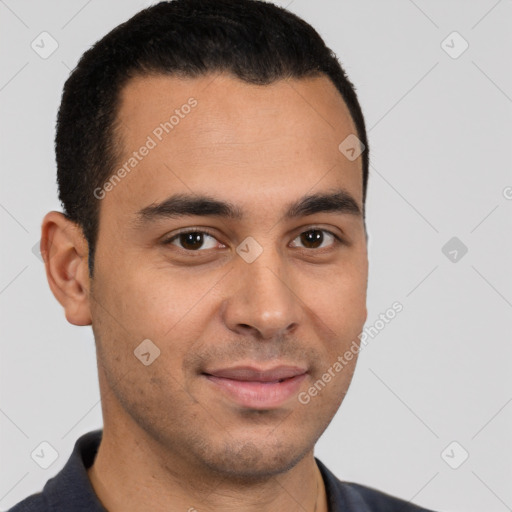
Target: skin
171	440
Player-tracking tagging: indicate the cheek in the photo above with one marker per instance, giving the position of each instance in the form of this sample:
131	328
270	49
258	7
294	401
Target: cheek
337	295
170	308
154	302
338	304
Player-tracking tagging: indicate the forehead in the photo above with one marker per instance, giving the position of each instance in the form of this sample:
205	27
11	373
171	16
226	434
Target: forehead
237	108
216	132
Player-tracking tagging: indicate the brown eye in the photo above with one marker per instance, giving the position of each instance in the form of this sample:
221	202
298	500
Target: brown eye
315	238
312	239
193	240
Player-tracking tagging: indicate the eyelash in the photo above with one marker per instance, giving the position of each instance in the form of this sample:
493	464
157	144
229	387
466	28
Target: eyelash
337	239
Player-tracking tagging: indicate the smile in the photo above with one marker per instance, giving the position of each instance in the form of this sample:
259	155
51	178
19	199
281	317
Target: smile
257	389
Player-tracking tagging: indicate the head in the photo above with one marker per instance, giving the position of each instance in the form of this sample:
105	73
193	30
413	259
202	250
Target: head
209	209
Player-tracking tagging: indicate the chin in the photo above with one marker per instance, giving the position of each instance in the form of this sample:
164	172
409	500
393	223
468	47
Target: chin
251	461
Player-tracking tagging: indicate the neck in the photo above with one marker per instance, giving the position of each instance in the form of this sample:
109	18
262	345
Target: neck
135	474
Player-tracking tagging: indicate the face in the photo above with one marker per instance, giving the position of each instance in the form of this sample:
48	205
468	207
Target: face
235	243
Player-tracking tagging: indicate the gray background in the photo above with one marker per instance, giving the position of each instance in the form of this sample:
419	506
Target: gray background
440	135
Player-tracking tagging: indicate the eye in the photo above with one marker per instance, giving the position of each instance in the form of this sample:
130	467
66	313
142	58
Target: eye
193	240
314	238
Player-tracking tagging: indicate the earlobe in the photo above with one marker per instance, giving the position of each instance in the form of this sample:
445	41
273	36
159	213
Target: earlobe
65	252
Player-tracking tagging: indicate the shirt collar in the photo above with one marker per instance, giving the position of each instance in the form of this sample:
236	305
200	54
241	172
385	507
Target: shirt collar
71	488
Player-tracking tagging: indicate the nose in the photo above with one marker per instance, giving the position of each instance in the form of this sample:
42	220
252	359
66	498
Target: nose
264	303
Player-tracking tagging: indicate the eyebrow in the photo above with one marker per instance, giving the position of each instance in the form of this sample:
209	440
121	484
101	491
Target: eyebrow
183	205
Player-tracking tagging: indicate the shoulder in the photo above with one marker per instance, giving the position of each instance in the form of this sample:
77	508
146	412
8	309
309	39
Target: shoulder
351	497
70	489
379	501
33	503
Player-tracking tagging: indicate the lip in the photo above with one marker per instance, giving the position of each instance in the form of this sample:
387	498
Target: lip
253	373
256	388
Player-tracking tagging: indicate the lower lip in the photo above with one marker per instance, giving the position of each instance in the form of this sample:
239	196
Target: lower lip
258	395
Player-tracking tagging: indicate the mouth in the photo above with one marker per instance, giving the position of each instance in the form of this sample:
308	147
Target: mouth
257	388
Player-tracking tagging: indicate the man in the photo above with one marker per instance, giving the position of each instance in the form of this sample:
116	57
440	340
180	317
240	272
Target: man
212	165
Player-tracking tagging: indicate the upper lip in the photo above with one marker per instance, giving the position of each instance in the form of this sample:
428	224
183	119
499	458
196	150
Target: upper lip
254	374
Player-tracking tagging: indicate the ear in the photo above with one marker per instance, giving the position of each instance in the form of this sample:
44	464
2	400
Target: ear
65	253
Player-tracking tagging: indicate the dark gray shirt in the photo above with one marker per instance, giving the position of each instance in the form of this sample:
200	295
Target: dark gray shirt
71	490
